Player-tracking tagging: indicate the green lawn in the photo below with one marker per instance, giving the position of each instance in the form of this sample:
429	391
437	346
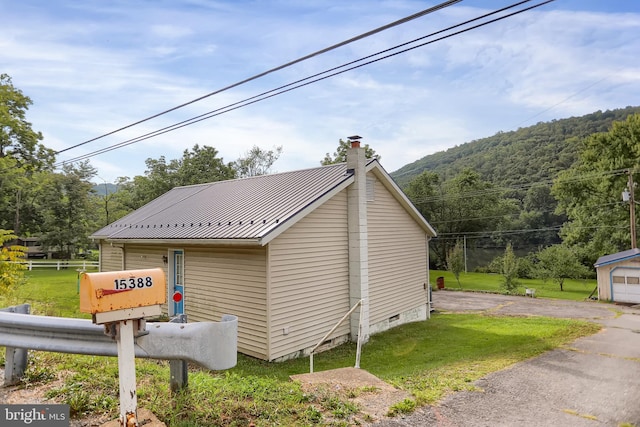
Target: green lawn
429	359
576	290
50	293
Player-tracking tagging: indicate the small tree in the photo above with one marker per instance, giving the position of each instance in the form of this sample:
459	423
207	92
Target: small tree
11	273
256	161
559	262
340	155
455	261
509	270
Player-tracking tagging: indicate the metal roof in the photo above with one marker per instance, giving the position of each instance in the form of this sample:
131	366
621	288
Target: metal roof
252	210
617	257
247	208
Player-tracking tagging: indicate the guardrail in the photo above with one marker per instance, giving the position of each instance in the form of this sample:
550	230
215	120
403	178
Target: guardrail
60	265
212	345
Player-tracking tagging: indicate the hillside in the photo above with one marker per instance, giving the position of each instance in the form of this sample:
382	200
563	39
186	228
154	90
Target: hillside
532	154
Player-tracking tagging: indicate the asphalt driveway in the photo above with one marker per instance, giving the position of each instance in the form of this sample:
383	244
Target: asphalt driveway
594	382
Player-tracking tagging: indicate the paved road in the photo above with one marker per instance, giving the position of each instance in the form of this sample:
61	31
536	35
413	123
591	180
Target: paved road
596	383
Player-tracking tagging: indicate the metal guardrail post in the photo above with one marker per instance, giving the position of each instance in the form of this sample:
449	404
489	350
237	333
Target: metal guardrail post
15	358
178	369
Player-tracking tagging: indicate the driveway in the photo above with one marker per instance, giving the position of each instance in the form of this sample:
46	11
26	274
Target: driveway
594	382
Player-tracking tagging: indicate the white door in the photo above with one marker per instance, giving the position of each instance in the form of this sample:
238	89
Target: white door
625	285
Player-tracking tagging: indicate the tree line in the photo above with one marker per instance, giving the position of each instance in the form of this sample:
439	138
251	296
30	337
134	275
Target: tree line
575	216
62	207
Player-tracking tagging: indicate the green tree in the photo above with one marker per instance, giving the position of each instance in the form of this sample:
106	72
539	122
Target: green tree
340	155
22	156
201	165
558	263
509	270
17	138
70	215
197	166
110	203
462	205
256	161
589	192
423	191
455	261
11	272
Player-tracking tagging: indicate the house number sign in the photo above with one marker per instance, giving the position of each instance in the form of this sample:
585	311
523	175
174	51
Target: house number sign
133	283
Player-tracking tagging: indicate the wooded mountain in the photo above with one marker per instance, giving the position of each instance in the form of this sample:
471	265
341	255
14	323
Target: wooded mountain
532	154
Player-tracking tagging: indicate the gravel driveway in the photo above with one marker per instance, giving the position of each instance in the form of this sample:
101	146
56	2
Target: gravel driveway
595	382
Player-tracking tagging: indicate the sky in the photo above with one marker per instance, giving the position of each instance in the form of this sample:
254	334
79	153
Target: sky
94	66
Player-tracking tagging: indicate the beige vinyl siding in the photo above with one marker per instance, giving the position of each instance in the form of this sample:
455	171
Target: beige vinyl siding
308	279
604	284
138	257
397	258
110	257
229	281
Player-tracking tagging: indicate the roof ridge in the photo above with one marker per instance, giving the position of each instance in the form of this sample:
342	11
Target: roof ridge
275	174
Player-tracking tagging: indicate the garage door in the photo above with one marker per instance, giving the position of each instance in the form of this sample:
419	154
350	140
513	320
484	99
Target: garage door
626	285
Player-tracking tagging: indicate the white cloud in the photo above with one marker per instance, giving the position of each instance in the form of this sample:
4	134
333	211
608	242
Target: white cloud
92	68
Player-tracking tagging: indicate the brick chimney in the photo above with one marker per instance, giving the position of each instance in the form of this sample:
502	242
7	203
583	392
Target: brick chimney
358	238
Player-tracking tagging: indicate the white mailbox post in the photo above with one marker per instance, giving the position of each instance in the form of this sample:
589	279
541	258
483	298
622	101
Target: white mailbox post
122	299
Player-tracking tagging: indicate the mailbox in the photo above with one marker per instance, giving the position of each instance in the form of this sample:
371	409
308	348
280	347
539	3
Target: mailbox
120	295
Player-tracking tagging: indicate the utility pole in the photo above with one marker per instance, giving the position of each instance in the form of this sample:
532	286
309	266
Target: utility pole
632	211
628	196
465	252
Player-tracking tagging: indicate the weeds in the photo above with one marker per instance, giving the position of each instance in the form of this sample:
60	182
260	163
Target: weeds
404	407
37	371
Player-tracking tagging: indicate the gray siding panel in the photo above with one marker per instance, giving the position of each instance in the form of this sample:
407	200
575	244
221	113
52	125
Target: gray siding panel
397	258
309	279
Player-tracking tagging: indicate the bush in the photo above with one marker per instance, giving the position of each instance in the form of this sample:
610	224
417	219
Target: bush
509	271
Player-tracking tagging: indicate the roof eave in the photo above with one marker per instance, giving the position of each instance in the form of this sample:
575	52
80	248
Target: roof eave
187	242
615	261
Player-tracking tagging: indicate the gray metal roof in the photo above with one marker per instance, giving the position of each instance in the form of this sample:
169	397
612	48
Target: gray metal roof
617	257
248	208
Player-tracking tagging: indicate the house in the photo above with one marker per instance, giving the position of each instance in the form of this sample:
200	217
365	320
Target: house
619	276
33	245
288	253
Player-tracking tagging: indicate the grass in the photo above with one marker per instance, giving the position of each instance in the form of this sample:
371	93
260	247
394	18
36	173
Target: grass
576	290
50	292
428	359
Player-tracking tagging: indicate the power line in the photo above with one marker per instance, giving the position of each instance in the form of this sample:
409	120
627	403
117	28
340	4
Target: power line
493	233
515	214
292	86
278	68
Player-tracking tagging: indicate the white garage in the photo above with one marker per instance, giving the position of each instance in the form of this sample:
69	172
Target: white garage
619	276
